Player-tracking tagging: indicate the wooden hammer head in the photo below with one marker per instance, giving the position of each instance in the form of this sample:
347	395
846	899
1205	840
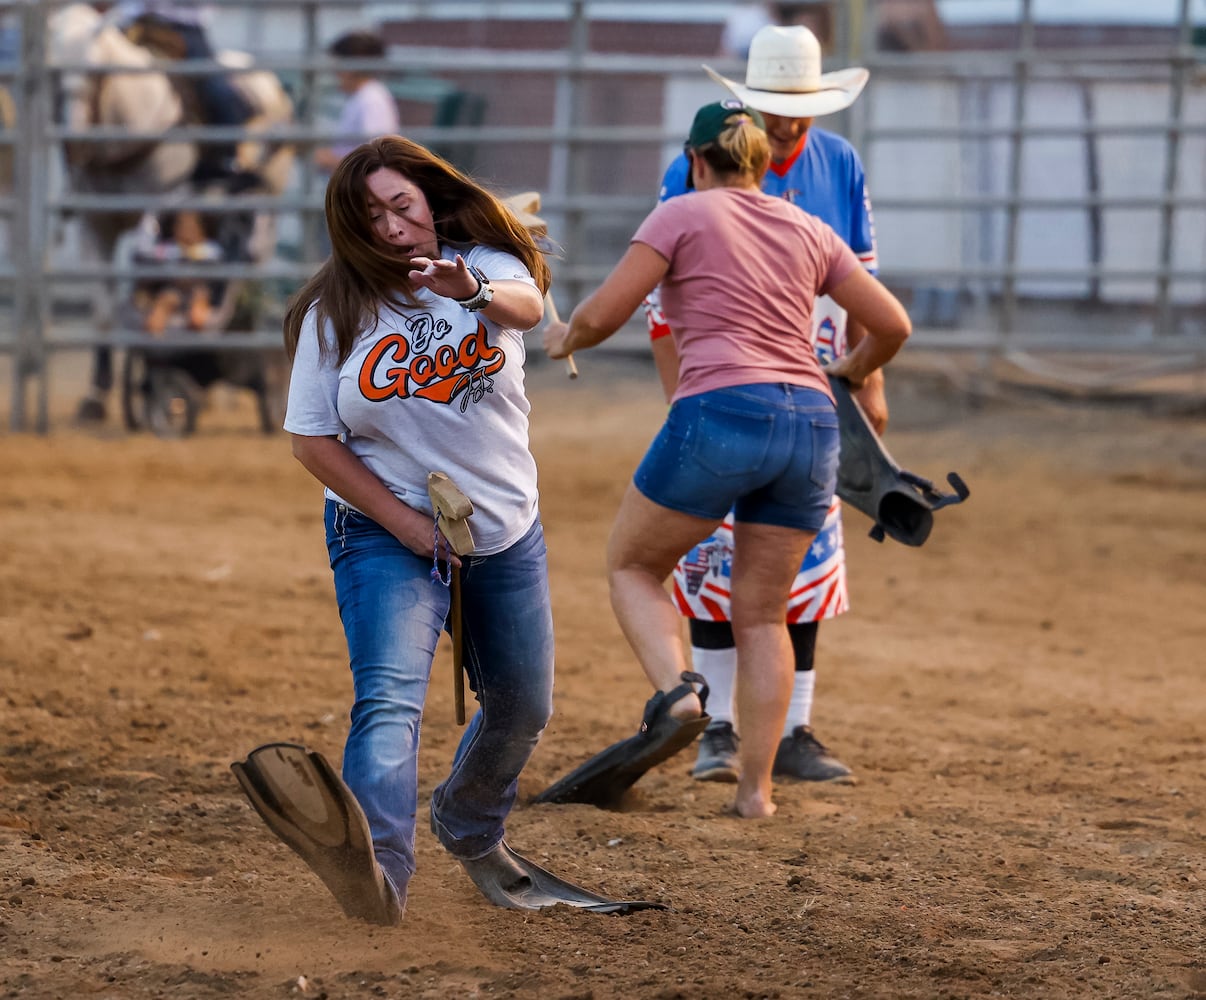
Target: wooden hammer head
453	509
525	206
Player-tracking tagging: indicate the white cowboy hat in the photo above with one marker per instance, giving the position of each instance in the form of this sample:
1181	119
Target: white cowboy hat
783	76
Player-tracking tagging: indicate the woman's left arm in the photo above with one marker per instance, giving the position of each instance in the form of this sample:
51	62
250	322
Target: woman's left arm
608	308
515	305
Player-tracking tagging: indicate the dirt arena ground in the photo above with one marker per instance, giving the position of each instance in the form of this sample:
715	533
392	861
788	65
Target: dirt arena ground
1022	701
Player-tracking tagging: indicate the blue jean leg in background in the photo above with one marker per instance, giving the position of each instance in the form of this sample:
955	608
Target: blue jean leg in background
393	614
508	634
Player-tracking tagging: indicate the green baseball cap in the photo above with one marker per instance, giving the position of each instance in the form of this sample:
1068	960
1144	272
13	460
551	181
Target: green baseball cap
710	121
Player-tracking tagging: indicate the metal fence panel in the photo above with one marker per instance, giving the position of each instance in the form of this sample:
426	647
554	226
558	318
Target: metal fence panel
1026	198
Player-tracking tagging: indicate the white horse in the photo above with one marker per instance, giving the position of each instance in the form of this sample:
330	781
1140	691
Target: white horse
145	102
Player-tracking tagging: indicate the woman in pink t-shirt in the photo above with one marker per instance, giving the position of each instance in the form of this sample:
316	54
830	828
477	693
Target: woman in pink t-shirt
752	425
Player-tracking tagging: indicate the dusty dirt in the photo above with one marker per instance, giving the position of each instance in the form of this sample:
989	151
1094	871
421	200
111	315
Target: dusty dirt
1022	701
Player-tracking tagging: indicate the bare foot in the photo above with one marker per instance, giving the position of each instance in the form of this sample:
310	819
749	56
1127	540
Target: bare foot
160	313
686	708
754	805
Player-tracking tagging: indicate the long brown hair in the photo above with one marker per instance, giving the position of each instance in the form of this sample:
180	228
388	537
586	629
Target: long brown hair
361	275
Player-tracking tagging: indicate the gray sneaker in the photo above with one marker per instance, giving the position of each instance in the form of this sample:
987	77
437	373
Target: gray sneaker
801	755
717	760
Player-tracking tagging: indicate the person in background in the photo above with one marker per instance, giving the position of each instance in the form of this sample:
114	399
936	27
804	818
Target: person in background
747	18
743	21
751	429
183	238
820	173
369	109
815	15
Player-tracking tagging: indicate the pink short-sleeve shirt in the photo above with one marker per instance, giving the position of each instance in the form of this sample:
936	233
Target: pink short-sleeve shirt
745	269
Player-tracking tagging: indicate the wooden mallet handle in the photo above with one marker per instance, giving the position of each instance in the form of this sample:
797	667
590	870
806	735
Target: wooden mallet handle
453	509
551	307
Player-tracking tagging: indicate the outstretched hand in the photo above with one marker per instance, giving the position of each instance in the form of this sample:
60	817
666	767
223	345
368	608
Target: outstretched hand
449	278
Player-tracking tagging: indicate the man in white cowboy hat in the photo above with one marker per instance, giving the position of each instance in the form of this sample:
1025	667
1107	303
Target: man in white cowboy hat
822	173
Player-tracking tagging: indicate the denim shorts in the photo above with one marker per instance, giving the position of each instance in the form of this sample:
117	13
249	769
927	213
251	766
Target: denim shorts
768	451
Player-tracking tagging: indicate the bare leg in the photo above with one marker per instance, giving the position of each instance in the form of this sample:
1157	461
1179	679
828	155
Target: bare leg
161	312
646	541
766	559
199	309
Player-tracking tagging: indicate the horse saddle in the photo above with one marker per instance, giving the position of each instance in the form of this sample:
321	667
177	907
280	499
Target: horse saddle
901	503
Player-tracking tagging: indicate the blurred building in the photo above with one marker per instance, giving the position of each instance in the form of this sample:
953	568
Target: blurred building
910	26
995	24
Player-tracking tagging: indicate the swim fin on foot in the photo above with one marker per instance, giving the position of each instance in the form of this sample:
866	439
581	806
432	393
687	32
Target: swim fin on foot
307	805
510	880
603	780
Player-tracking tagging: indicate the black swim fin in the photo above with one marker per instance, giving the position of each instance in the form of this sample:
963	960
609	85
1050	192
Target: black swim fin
900	503
510	880
603	780
305	803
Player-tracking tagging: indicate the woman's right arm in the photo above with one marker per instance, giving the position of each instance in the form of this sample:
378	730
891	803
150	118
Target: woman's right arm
611	305
887	324
337	467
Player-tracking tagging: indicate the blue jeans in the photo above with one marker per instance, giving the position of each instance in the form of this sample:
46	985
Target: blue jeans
767	450
393	612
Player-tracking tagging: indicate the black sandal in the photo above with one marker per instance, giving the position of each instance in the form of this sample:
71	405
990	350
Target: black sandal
603	780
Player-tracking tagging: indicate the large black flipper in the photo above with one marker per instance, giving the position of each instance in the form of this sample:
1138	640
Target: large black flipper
510	880
900	503
307	805
603	780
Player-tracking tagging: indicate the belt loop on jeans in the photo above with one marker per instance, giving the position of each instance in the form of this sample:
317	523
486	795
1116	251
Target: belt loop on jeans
341	523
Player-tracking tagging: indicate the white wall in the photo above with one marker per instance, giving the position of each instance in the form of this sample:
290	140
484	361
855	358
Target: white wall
1053	167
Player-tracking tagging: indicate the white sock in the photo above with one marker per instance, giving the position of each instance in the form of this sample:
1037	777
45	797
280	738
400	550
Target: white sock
719	667
799	712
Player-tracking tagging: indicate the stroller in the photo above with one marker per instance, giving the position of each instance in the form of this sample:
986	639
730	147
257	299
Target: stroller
165	389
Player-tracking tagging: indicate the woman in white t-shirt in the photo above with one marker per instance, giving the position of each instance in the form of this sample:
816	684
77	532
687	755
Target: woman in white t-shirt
408	356
739	271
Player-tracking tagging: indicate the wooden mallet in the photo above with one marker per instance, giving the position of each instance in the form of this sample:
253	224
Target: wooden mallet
452	510
525	206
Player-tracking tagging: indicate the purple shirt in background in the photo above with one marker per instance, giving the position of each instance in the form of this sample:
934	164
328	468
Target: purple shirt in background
370	113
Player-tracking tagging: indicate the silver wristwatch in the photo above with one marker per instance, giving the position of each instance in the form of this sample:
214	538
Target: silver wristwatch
482	297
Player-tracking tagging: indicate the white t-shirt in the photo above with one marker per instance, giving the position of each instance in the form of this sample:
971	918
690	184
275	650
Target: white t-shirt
432	388
371	112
